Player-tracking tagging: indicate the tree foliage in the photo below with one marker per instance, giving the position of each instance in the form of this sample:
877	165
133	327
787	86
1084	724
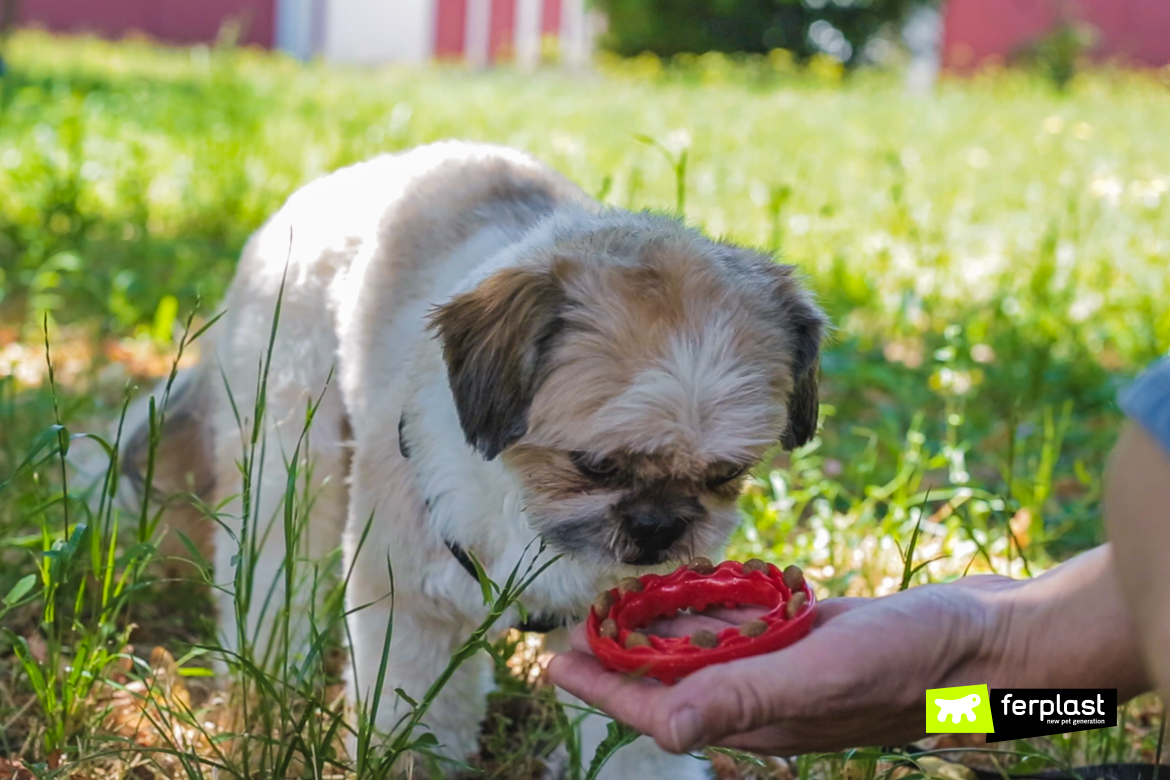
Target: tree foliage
668	27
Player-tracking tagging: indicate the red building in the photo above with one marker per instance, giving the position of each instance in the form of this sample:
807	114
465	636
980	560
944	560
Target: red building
174	21
479	31
1133	31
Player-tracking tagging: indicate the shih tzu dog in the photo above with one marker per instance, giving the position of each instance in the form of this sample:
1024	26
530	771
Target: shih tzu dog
511	361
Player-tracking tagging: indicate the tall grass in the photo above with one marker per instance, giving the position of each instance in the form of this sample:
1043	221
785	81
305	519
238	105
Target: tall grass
284	715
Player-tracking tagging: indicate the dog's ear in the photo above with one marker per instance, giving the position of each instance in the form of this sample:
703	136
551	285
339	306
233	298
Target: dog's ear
805	325
495	341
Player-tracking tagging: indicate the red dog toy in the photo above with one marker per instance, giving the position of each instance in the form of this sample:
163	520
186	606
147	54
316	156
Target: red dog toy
618	614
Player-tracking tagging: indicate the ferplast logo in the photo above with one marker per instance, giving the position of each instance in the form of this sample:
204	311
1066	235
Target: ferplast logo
962	710
1038	712
1018	713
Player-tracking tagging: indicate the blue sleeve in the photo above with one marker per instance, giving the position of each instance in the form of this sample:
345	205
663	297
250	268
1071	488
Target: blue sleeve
1147	402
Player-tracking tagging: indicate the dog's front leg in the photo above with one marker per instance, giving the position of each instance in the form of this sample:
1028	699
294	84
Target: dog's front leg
253	554
421	647
641	759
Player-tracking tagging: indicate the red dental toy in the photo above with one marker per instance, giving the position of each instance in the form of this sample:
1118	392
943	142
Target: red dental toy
615	620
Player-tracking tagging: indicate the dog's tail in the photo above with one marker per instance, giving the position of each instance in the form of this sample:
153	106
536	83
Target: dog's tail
176	458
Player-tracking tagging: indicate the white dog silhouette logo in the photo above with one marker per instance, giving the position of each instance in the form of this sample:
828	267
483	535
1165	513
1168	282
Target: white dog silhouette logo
957	708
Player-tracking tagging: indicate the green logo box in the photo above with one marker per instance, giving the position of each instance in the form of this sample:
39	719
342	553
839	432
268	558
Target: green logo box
965	709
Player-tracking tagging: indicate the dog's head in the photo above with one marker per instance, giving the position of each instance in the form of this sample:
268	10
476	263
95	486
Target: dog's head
629	375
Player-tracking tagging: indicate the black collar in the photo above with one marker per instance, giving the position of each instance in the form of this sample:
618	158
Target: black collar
540	623
463	558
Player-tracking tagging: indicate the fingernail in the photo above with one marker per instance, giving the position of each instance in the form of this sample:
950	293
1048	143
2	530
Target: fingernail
685	727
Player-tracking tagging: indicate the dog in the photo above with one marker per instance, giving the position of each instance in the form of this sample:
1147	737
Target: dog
495	363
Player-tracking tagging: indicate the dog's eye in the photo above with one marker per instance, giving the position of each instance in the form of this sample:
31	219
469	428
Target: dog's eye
596	469
725	473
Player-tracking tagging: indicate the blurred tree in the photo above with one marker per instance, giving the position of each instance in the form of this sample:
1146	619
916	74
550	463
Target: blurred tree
840	28
1057	54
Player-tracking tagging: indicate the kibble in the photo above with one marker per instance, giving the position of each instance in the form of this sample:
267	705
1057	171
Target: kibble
795	604
701	565
630	585
755	564
603	604
637	639
753	628
705	639
794	578
608	628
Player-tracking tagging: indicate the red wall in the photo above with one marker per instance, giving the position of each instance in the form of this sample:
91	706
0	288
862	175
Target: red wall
501	27
550	18
450	28
174	21
1137	31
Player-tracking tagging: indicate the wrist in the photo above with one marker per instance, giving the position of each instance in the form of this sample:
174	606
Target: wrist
988	633
1004	647
1066	629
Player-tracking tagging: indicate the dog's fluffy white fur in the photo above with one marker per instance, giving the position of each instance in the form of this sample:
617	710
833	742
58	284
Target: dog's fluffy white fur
365	255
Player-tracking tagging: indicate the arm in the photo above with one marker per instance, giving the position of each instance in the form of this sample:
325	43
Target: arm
1137	512
860	677
1069	628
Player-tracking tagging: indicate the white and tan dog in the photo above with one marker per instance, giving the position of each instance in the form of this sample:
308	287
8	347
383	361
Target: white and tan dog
512	361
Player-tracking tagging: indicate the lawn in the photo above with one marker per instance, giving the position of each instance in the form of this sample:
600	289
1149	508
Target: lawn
994	256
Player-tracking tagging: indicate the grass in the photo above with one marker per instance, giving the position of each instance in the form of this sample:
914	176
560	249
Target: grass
994	256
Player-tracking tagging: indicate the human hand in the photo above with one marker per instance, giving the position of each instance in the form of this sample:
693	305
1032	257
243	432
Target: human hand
859	678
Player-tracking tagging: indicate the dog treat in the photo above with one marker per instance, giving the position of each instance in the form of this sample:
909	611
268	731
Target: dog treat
704	638
617	633
752	628
603	604
701	565
636	639
755	564
630	585
794	578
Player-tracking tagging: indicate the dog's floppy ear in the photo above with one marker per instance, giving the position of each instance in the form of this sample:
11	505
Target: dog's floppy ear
495	340
805	324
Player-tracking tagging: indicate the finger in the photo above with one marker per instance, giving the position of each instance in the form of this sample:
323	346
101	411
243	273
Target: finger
742	696
736	615
631	700
822	735
579	640
685	625
831	608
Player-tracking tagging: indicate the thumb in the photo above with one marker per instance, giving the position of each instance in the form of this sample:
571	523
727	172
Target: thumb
751	693
719	701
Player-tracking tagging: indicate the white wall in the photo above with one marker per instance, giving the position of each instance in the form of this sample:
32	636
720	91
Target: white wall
374	31
577	33
476	32
527	37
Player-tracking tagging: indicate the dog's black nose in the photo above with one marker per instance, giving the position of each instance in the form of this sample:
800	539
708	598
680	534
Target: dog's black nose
653	528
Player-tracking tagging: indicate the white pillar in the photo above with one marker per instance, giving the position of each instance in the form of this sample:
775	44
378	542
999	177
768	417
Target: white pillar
576	34
479	19
294	28
376	31
923	36
527	36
